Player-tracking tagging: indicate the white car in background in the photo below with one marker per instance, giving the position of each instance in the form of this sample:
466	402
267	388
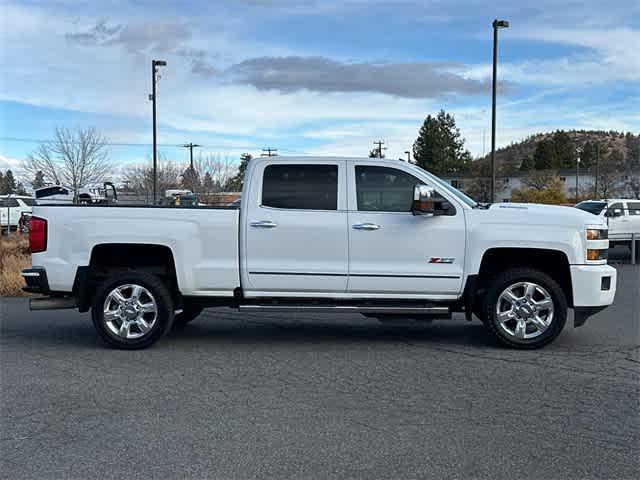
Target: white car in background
13	208
622	216
60	194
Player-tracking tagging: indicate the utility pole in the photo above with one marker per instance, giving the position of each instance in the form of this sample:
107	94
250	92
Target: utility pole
496	25
595	196
154	74
190	146
408	152
269	152
380	144
577	173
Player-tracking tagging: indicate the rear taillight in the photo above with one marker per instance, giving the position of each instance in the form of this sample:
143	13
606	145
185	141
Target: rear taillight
37	234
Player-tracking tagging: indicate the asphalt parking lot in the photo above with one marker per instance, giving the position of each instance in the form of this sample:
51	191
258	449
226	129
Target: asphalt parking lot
269	396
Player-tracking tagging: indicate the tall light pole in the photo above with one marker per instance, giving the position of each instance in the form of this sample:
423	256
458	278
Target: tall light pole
154	72
496	25
408	156
577	172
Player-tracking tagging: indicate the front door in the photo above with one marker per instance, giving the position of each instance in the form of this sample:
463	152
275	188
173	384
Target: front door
391	251
296	229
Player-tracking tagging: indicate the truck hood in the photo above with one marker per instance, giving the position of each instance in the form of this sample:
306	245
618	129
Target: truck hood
528	214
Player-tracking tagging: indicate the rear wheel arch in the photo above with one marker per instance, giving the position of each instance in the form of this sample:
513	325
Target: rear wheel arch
109	258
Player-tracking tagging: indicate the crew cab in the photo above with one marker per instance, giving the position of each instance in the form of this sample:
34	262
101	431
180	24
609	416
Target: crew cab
380	237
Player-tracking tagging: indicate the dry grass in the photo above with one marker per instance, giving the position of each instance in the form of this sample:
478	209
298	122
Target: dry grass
14	256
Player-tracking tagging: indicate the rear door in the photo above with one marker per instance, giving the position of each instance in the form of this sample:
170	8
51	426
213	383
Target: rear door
619	226
634	216
391	251
295	229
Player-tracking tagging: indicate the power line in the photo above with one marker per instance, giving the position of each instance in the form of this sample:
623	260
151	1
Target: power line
380	148
190	147
124	144
270	152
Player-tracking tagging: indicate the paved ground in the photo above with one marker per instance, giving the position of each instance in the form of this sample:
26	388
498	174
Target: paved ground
258	396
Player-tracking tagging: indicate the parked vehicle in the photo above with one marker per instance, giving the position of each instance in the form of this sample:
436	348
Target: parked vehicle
622	216
13	210
180	198
59	194
380	237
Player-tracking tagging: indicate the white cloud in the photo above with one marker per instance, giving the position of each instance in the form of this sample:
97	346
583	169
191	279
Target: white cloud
13	164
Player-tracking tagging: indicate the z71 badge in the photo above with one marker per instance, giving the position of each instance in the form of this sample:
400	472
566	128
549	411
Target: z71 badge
442	260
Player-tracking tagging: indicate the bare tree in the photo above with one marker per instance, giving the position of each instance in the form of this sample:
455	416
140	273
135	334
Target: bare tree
220	172
72	158
140	178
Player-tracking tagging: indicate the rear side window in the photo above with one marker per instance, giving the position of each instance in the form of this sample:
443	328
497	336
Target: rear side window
384	189
634	208
301	187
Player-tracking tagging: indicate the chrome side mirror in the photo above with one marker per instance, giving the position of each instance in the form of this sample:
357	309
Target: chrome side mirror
427	201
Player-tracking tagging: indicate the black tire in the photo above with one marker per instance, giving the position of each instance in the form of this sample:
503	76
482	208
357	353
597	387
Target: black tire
189	313
164	310
505	279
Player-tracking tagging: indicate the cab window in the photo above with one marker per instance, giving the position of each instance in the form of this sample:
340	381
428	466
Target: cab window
384	189
300	187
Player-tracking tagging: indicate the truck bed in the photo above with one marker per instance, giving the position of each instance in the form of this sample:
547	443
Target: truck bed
203	241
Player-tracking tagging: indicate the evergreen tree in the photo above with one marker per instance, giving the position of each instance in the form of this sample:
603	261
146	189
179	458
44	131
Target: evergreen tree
235	184
439	147
527	164
545	155
191	180
376	153
207	183
38	180
565	150
8	184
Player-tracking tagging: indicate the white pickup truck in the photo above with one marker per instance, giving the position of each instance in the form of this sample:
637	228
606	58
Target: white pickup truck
380	237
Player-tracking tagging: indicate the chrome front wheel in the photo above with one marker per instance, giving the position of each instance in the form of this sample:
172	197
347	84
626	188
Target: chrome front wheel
524	307
524	310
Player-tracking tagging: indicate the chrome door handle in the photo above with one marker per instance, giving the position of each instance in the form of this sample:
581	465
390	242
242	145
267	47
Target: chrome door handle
264	224
366	226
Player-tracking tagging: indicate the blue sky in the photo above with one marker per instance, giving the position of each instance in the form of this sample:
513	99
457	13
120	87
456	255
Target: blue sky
310	77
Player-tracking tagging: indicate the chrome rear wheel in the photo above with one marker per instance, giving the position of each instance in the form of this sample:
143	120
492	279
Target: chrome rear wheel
130	311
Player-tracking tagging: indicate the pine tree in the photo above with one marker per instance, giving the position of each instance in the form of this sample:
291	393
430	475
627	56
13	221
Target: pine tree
527	164
8	184
207	183
235	184
38	180
439	147
545	155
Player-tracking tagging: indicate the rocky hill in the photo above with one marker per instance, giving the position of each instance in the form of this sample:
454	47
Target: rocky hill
558	150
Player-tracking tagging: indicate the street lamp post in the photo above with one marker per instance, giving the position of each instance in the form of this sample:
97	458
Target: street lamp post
408	156
577	173
496	25
154	71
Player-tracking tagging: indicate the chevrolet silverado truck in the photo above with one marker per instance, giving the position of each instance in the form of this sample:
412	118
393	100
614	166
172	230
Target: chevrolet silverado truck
383	238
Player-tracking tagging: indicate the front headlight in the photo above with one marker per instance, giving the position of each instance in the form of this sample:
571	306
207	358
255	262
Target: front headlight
597	234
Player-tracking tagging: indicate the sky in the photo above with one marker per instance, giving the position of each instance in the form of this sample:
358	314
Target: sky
310	77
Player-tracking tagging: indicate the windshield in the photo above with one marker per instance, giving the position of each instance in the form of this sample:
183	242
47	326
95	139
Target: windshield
454	191
592	207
